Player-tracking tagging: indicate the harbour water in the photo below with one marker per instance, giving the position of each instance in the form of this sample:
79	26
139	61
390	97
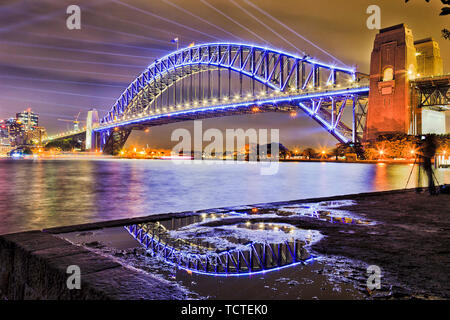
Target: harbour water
36	194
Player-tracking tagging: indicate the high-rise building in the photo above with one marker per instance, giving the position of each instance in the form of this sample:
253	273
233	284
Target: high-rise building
14	128
27	119
5	145
35	136
4	129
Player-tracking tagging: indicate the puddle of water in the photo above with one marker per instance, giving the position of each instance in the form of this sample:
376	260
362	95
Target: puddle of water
309	281
191	243
220	234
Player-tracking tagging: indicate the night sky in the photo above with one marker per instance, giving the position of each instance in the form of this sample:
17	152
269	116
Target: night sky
59	72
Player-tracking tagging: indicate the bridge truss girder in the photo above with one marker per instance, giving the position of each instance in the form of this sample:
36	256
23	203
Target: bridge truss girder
328	112
436	97
432	92
112	141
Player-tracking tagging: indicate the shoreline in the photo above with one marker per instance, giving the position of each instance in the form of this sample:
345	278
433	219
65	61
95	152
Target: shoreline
81	156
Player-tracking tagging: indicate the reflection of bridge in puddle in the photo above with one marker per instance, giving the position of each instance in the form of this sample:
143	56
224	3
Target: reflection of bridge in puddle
209	244
228	257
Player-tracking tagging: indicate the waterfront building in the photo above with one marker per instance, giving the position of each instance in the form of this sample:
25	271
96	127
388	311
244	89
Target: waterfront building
28	119
35	136
3	129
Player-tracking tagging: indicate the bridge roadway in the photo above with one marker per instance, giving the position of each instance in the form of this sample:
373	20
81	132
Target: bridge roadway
277	101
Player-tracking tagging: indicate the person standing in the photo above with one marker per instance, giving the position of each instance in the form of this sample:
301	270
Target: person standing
428	151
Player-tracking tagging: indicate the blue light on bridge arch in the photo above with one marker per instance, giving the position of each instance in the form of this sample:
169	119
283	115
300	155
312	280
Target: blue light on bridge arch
245	274
273	50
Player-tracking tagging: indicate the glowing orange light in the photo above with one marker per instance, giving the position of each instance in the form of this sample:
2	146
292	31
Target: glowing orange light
412	152
147	130
381	152
293	114
116	129
255	109
323	152
254	210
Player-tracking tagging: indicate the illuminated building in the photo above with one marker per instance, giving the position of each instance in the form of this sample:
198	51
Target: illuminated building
28	119
35	136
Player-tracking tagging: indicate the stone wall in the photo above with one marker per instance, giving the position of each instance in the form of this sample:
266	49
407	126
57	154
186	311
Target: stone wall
33	265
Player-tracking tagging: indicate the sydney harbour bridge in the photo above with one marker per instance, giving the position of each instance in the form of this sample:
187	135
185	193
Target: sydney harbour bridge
401	94
223	79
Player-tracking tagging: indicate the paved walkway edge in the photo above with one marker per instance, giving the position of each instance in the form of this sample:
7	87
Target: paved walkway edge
34	265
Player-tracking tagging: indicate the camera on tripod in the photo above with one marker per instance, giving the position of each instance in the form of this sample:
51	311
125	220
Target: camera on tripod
427	146
421	140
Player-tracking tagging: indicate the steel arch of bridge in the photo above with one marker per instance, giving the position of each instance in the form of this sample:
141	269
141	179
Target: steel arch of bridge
255	258
275	69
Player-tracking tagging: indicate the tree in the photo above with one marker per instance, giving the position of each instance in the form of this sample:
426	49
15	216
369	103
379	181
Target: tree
444	11
282	150
336	152
402	146
27	150
445	34
345	148
65	144
309	153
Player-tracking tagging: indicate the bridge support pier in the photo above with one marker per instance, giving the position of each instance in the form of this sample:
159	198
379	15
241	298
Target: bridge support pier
405	76
91	121
112	141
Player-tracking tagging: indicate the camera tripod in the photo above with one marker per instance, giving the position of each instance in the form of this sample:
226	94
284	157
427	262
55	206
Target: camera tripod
419	187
